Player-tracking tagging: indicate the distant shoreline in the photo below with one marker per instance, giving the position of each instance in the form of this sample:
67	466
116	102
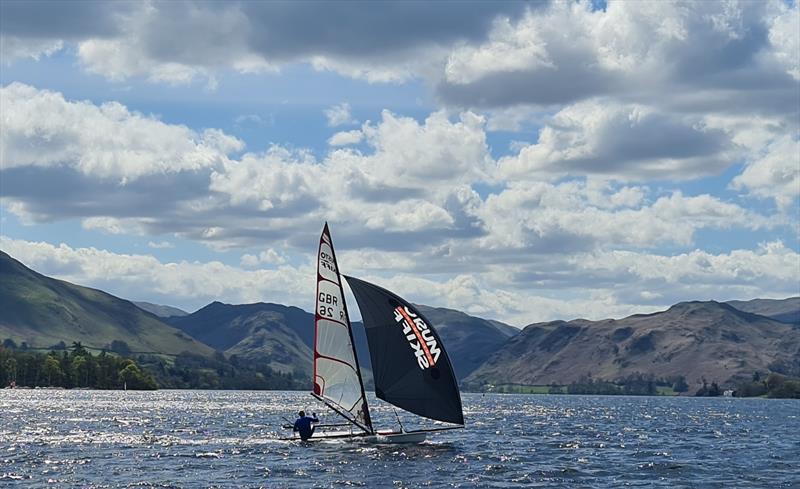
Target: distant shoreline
470	393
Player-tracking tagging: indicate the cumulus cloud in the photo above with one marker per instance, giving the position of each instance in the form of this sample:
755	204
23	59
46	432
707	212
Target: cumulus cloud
43	129
116	170
632	97
614	109
277	182
637	51
528	60
346	138
113	225
603	284
124	172
162	40
622	141
479	54
573	216
12	48
35	29
412	190
611	285
785	38
776	174
143	277
767	271
606	71
266	257
430	153
339	115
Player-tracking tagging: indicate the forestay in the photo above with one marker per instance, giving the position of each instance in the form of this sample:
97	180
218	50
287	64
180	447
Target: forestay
409	363
337	378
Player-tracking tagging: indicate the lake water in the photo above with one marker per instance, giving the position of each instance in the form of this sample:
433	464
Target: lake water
228	439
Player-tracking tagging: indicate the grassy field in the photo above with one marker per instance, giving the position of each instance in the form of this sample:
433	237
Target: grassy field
665	390
526	389
562	389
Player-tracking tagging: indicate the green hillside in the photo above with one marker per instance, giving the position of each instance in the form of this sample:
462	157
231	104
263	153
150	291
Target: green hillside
280	335
42	312
284	335
159	310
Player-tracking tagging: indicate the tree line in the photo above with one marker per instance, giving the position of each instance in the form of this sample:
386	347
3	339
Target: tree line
193	371
773	385
635	384
118	367
75	367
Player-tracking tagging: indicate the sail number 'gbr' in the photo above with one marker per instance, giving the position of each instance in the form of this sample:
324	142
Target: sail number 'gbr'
328	307
419	336
329	302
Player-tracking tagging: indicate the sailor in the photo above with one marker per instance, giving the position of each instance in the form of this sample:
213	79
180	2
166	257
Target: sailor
303	425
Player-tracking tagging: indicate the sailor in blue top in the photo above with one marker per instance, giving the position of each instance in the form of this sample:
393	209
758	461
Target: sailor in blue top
303	425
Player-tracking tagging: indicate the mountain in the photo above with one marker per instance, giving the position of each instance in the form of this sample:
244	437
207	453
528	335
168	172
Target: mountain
282	334
160	311
285	335
697	340
722	342
469	340
43	311
783	310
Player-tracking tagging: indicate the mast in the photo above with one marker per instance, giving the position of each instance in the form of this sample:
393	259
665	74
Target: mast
350	332
337	374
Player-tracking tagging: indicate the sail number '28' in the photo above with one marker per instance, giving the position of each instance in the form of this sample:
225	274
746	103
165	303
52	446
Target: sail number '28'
419	337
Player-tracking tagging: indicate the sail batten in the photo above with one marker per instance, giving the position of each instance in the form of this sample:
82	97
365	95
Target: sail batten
337	378
410	366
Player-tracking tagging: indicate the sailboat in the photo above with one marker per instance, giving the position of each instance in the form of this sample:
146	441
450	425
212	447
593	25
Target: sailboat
410	366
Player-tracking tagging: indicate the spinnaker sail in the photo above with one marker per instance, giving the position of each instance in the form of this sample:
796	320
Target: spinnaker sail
409	363
337	377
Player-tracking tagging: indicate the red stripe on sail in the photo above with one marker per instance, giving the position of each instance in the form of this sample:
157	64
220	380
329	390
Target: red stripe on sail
334	359
416	332
321	278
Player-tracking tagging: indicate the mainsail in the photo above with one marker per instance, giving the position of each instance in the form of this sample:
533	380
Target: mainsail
337	378
409	363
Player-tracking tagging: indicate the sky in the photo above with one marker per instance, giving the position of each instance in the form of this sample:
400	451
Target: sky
518	161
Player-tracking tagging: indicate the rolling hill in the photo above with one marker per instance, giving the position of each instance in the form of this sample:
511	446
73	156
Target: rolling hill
783	310
720	342
159	310
42	311
283	335
697	340
469	340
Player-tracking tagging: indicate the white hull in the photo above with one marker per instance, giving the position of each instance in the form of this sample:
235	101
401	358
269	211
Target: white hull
394	437
379	437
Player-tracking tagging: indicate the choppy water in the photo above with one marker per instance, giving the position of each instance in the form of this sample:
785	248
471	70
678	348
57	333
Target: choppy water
227	439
